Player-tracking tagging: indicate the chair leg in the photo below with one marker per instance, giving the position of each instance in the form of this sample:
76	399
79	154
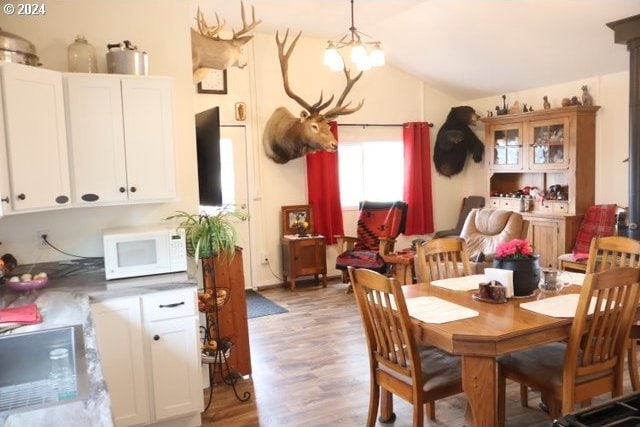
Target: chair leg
418	413
431	409
632	360
502	385
524	396
386	407
552	404
374	398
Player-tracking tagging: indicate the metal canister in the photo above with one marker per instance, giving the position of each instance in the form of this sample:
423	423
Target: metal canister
124	58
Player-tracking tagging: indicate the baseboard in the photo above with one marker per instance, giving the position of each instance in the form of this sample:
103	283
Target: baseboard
305	281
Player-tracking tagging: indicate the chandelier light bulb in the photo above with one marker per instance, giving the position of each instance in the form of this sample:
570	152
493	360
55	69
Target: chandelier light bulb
331	55
364	64
337	64
358	54
376	57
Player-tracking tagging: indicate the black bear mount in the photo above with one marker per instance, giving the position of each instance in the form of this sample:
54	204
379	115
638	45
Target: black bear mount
455	140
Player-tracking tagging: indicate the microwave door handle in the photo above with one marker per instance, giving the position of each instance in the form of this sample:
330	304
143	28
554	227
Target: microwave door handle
175	304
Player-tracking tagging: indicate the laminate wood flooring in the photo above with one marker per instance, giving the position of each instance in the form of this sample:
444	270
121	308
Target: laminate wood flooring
310	369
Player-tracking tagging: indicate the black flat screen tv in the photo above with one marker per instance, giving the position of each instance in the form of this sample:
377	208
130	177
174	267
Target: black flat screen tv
208	146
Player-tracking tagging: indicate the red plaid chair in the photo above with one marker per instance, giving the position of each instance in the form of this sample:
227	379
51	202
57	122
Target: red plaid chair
379	223
598	221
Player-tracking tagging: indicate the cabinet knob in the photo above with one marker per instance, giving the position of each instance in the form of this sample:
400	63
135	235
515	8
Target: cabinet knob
22	196
156	337
5	199
132	189
122	189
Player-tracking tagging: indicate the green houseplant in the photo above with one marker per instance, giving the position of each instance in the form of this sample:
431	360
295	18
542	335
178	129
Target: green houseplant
211	234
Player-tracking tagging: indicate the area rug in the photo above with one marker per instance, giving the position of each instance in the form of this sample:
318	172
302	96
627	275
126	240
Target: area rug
258	305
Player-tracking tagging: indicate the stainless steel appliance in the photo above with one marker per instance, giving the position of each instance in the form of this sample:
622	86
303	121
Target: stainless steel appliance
125	58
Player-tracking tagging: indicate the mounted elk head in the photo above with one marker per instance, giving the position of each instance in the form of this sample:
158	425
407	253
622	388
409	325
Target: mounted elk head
209	50
287	137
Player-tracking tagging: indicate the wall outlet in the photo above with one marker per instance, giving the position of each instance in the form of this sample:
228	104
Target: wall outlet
264	258
41	243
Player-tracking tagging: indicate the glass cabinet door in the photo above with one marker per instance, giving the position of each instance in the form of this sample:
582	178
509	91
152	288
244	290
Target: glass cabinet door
507	147
549	149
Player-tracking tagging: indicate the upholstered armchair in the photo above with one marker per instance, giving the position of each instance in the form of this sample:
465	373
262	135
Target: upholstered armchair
485	228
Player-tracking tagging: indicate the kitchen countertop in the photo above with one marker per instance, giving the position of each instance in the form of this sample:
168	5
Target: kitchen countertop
65	301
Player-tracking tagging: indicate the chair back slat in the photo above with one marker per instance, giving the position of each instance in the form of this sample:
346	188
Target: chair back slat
442	258
613	251
387	323
597	341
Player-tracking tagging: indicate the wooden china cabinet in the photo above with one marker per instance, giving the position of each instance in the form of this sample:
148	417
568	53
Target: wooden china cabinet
554	151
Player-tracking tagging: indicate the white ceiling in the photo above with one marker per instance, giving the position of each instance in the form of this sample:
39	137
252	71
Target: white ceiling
467	48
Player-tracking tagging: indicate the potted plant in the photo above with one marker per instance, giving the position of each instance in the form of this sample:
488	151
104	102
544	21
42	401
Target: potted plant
210	235
517	255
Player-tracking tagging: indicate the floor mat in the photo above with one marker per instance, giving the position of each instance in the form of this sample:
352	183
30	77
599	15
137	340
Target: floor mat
258	305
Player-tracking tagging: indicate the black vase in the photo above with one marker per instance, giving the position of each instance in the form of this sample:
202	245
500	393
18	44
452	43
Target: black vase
526	273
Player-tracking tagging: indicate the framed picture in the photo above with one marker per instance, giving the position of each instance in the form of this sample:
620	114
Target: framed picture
292	214
215	81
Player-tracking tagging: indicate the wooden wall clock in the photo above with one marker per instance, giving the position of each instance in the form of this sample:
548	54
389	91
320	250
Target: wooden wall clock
215	81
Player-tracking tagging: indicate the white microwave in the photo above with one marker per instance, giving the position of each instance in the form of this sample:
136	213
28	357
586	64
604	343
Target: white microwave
143	251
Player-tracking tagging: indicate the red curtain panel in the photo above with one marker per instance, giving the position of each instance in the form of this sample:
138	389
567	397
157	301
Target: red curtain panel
323	187
417	178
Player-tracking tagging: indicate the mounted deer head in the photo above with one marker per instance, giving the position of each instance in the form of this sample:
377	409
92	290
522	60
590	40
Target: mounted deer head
287	137
209	50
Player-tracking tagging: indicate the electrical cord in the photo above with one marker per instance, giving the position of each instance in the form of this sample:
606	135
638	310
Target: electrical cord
271	270
44	239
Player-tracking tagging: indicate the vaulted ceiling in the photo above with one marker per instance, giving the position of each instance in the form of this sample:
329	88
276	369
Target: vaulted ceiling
467	48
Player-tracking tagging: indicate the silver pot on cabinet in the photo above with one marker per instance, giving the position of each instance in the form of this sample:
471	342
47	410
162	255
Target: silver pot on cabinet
124	58
14	48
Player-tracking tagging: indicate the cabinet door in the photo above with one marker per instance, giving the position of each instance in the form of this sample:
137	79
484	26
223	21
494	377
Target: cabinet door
175	366
5	191
544	236
309	257
549	144
148	130
36	137
506	141
96	139
119	335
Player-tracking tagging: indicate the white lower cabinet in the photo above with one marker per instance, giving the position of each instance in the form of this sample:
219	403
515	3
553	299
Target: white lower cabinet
149	350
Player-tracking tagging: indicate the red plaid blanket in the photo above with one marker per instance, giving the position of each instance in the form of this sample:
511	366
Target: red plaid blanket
599	220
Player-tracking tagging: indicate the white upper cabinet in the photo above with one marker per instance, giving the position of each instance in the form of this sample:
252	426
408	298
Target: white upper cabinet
121	138
36	139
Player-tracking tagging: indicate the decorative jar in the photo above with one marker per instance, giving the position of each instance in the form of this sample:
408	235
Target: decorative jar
82	56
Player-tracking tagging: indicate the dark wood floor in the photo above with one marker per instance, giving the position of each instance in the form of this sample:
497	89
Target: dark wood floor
310	369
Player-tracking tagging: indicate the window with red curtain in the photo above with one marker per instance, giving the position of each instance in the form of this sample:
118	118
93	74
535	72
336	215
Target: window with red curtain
324	191
417	178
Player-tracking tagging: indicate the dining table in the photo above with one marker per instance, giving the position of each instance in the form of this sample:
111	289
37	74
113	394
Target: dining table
496	330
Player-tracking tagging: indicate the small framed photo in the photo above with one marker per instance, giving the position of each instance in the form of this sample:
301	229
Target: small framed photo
215	81
291	215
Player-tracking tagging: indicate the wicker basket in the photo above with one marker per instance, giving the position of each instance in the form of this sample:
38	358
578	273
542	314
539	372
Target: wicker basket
217	356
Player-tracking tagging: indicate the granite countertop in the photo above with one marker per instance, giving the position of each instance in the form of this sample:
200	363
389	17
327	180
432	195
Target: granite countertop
65	301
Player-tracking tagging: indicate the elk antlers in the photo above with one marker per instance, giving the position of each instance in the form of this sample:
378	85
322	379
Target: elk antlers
315	109
211	31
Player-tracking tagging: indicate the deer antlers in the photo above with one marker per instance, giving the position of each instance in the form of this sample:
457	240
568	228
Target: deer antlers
315	109
211	31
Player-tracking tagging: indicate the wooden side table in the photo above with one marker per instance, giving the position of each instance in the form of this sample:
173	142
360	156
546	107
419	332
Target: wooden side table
400	266
303	256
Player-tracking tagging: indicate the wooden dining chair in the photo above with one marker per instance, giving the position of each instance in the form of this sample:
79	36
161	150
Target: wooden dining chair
617	251
591	362
419	375
441	259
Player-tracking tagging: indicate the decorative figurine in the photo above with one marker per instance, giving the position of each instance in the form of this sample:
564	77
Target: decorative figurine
566	102
515	108
530	108
504	110
490	113
587	99
574	101
546	104
524	107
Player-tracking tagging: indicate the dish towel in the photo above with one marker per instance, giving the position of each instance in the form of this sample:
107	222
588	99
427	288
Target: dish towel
25	314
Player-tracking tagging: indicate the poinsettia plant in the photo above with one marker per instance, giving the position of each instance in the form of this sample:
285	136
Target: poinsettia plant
514	249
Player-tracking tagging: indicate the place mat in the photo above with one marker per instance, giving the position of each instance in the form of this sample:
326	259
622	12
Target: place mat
558	306
463	283
437	310
570	278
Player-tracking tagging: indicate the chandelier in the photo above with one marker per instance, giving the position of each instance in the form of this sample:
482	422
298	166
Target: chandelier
359	55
